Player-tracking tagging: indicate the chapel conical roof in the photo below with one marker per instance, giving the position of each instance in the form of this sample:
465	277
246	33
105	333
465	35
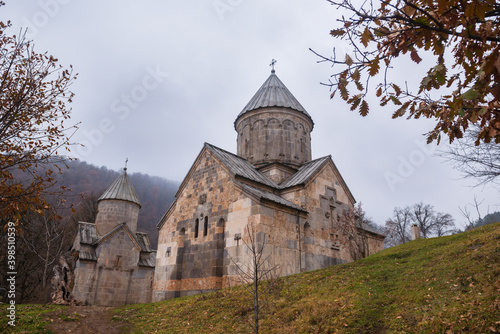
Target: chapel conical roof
121	189
273	93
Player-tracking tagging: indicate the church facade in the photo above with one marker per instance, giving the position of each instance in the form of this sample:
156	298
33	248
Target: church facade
271	192
114	263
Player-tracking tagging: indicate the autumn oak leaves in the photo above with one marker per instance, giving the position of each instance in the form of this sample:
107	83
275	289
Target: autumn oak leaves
34	93
460	89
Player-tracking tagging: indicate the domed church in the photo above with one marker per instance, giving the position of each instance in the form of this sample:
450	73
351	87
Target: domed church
114	263
272	189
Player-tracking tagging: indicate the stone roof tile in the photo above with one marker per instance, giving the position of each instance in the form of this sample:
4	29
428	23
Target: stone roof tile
148	261
121	189
143	240
239	166
273	93
87	255
305	172
262	194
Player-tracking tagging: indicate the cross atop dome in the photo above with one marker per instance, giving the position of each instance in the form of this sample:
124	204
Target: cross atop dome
274	61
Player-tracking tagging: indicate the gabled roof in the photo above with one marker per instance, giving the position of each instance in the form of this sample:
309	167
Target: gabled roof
121	189
262	194
239	166
87	233
310	169
123	226
89	236
143	240
273	93
369	229
148	261
305	172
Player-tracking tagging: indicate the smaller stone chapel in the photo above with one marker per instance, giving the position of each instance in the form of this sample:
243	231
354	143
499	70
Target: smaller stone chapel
114	263
292	202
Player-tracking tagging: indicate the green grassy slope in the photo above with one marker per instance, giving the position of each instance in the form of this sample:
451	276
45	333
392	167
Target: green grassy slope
441	285
29	318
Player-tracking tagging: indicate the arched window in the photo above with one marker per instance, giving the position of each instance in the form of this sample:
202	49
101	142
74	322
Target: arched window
181	237
196	223
222	223
307	229
205	227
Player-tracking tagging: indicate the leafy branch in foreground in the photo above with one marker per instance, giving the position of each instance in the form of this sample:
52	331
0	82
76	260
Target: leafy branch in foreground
463	37
34	90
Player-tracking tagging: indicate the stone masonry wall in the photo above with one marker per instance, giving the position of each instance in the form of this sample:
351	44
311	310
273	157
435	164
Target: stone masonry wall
84	281
280	233
375	243
324	198
141	289
188	261
117	261
274	134
114	212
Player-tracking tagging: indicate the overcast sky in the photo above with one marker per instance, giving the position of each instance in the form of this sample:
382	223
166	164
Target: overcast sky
157	79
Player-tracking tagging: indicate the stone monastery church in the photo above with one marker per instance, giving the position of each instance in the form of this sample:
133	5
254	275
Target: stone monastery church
291	202
271	188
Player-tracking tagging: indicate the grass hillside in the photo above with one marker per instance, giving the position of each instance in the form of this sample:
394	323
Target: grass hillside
441	285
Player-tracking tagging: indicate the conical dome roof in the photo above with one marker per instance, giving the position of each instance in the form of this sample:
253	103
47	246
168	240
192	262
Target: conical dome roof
273	93
121	189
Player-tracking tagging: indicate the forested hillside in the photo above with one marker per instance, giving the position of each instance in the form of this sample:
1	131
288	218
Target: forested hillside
155	193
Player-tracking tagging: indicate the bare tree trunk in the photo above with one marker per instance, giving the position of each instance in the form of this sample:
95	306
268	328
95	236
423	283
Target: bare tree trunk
45	247
45	268
256	296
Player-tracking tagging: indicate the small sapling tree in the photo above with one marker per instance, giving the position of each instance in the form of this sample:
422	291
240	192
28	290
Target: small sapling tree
258	269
